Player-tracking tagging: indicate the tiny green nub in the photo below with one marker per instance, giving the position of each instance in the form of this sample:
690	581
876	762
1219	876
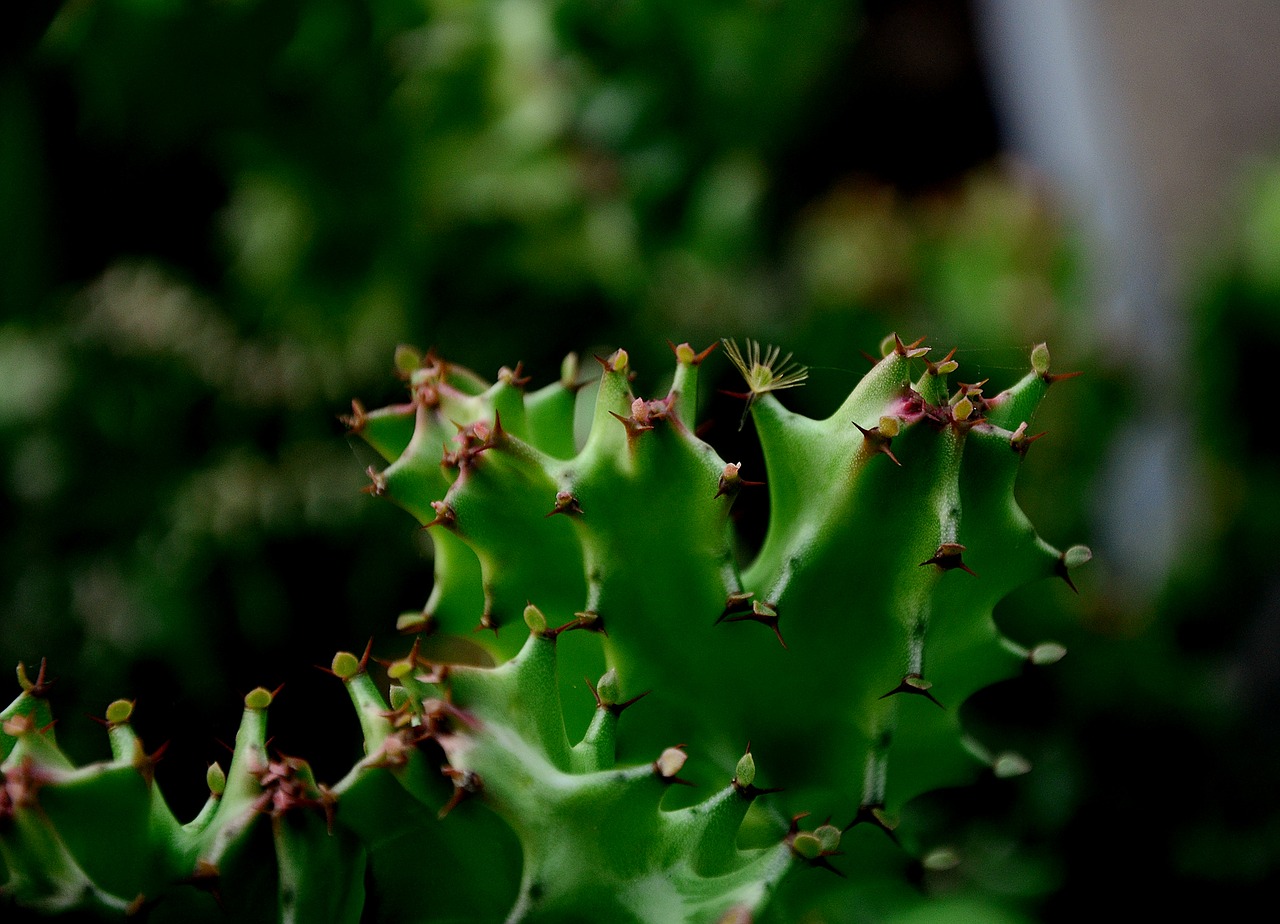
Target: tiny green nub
119	712
535	619
807	846
407	359
1010	764
889	426
1047	653
1040	358
569	371
400	697
398	670
670	762
259	698
608	689
745	774
345	665
1077	555
941	859
216	777
828	838
963	409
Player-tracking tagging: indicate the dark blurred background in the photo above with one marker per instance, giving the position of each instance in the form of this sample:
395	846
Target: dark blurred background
218	219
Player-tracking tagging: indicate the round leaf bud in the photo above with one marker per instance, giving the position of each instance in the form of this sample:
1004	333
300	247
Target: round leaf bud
608	689
1047	653
535	620
119	711
1040	358
407	359
345	665
745	774
398	670
828	837
259	698
1077	555
670	762
1010	764
807	845
216	778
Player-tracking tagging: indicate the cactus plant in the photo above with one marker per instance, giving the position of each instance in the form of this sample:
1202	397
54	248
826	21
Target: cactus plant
499	781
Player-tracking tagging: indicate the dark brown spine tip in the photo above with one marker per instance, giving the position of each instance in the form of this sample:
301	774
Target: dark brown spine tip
1050	377
874	814
1019	442
949	557
355	421
567	504
489	621
877	441
377	485
916	685
514	377
1060	570
909	350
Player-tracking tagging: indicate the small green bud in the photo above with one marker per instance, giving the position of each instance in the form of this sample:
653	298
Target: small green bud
216	778
828	837
963	409
618	361
407	359
345	665
398	670
806	845
889	426
413	621
1040	358
608	688
569	371
941	859
888	345
535	619
257	699
745	774
670	762
1046	653
119	711
1077	555
399	697
946	368
1010	764
685	354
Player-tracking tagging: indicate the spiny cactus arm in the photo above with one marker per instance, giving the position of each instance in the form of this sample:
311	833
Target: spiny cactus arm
596	843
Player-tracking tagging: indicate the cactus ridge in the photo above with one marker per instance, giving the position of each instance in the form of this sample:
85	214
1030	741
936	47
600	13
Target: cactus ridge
893	533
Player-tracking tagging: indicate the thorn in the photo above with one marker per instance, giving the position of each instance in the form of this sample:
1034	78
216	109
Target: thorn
914	683
686	355
1050	378
465	785
731	482
875	815
763	613
488	621
355	421
877	441
1019	442
910	350
445	516
567	504
508	376
737	602
944	365
868	357
377	483
948	558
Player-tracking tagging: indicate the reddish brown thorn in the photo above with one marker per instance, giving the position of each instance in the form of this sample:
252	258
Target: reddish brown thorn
877	442
135	906
40	687
445	516
915	684
355	421
685	354
588	619
508	376
949	557
377	483
744	395
731	482
488	621
567	504
1049	377
1019	442
763	613
737	602
465	784
937	368
868	357
875	815
909	350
